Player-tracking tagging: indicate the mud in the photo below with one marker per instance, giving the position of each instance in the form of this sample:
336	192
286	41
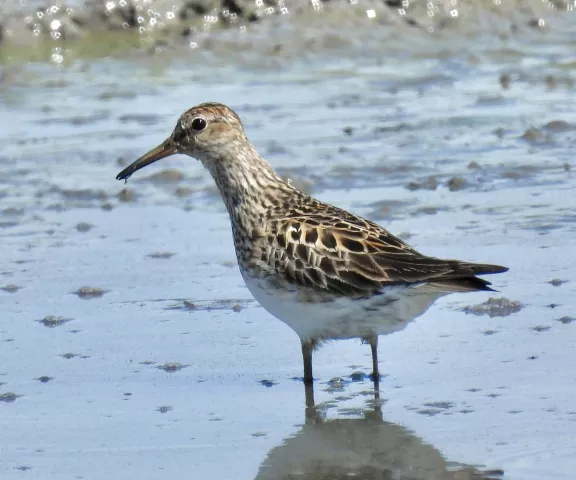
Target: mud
61	32
495	307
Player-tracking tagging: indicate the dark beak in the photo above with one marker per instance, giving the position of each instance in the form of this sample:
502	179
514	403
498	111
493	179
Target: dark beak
163	150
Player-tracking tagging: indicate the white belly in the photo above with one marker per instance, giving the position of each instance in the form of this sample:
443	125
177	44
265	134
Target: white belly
330	317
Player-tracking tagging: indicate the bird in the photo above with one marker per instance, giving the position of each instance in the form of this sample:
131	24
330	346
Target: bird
326	273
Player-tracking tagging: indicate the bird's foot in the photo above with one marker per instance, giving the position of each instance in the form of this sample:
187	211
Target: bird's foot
375	377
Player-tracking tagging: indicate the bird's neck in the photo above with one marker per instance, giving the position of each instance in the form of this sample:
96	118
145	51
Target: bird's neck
250	188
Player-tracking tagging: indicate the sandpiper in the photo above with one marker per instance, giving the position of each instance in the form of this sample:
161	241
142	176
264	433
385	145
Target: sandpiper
325	272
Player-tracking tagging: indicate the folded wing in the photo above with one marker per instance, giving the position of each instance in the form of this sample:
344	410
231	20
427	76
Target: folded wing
347	255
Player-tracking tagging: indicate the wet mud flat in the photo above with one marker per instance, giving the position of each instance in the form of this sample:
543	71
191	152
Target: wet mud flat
62	31
129	346
176	368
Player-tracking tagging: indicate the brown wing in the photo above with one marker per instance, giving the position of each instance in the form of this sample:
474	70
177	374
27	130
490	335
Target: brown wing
335	251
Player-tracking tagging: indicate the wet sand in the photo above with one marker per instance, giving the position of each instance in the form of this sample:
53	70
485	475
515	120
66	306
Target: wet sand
129	345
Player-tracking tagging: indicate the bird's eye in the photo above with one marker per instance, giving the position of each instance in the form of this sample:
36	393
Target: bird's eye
198	124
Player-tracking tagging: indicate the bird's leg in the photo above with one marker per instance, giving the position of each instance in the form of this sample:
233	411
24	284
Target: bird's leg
373	341
309	395
311	411
307	349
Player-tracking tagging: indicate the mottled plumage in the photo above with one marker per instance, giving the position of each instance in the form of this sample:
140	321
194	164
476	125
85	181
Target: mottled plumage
325	272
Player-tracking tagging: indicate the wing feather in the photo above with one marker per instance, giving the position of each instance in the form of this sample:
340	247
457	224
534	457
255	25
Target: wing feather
332	250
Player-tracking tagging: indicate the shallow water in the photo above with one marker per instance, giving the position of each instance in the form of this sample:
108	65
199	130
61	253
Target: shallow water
170	369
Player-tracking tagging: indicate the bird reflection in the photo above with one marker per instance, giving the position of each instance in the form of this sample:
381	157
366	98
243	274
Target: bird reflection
367	448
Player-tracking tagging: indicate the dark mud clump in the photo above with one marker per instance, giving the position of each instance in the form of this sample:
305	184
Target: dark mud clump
558	126
188	305
358	376
171	367
87	293
210	305
52	321
11	288
23	468
456	184
429	210
337	383
505	80
83	195
9	397
429	183
183	192
83	227
440	405
495	307
536	136
161	255
389	209
69	356
267	383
